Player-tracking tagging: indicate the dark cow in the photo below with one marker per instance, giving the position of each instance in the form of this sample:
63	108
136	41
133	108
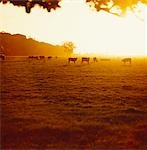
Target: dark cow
85	59
30	57
2	57
72	59
36	57
95	59
49	57
41	57
127	60
33	57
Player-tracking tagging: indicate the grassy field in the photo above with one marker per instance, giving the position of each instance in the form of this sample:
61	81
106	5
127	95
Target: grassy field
56	105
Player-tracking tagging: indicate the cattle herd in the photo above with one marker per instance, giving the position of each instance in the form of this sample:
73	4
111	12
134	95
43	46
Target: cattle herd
38	57
71	59
74	59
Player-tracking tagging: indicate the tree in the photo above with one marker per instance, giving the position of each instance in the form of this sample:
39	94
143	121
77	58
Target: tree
116	7
29	4
69	47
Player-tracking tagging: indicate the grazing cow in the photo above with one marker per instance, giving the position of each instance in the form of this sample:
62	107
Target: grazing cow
125	60
2	57
30	57
36	57
72	59
95	59
85	59
49	57
33	57
41	57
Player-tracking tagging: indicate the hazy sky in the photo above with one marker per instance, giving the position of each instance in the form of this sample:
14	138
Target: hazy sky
92	32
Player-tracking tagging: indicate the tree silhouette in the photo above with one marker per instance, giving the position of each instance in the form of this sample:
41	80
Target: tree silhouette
69	47
29	4
117	7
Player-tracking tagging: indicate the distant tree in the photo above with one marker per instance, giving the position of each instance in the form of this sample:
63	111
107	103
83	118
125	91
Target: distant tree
69	47
116	7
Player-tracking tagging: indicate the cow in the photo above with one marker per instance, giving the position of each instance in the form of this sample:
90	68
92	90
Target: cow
33	57
72	59
95	59
127	60
49	57
41	57
85	59
36	57
30	57
2	57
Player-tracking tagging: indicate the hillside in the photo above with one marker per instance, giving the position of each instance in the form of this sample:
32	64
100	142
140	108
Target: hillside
20	45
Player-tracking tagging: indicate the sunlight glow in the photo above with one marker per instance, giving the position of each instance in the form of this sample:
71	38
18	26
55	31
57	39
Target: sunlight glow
91	31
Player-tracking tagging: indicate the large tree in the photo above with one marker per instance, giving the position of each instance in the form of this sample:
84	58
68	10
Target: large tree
69	47
117	7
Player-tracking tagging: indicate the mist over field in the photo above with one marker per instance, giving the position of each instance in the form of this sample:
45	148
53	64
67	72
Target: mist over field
55	105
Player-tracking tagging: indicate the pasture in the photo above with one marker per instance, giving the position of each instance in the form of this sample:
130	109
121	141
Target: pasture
56	105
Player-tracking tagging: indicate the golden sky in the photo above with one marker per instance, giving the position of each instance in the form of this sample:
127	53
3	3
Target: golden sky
91	31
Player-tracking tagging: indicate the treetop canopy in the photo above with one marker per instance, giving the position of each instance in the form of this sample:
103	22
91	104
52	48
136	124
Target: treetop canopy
117	7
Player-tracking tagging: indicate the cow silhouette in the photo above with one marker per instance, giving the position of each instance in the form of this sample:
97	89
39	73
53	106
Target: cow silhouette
2	57
72	59
85	59
49	57
95	59
127	60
